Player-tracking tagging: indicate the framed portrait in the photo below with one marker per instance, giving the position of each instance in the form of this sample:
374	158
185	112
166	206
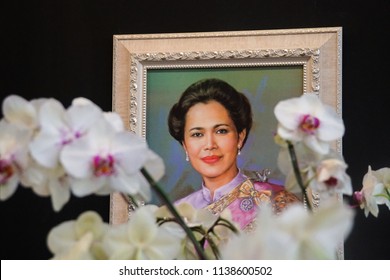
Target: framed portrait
150	72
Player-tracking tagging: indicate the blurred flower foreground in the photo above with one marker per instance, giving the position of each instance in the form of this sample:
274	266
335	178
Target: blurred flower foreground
82	150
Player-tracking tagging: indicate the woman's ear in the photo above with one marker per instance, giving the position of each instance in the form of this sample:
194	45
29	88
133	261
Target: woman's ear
185	150
241	137
184	146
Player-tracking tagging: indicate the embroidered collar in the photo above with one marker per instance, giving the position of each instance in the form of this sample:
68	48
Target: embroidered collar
221	191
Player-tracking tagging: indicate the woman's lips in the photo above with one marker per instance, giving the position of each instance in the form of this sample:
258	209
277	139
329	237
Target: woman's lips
210	159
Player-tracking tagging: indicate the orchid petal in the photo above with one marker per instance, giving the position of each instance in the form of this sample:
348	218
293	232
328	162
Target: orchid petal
117	244
115	120
165	246
77	158
124	183
144	189
19	111
79	251
60	193
81	101
8	189
130	151
84	187
146	226
333	124
83	117
45	149
154	165
51	117
320	147
61	237
286	112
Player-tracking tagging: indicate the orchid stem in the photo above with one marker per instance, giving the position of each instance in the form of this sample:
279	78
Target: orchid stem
297	173
130	199
165	199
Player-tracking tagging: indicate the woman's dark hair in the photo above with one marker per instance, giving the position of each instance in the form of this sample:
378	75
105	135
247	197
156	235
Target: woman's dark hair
204	91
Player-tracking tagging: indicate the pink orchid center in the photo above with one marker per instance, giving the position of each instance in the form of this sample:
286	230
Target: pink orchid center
358	198
6	171
103	166
331	182
309	124
68	136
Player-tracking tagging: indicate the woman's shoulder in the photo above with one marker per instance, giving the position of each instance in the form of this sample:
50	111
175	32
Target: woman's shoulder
195	199
280	197
267	185
262	180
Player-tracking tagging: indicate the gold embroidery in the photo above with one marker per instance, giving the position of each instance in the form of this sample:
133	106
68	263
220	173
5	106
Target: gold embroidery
282	199
248	190
244	190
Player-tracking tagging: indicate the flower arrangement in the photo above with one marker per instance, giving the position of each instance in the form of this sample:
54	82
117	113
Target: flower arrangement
82	150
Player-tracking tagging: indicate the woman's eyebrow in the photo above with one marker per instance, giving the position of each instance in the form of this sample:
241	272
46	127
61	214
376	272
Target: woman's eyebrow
221	124
202	128
196	128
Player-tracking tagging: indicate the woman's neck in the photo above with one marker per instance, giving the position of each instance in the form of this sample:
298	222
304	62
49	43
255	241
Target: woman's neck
214	183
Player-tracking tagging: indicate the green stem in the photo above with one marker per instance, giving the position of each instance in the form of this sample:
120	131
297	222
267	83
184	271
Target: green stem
297	173
388	194
199	250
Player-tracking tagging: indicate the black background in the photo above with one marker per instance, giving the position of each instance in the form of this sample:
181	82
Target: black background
63	49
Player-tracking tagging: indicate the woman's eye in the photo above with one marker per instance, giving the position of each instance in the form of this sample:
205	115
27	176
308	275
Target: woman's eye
222	131
196	134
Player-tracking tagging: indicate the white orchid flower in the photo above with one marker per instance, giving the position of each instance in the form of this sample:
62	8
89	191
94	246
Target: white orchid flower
307	160
325	174
222	233
317	235
383	176
306	119
268	243
79	251
375	191
73	238
14	157
48	182
203	219
141	239
59	127
294	234
330	177
106	160
192	217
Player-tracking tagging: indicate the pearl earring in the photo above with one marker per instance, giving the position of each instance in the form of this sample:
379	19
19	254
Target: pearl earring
239	150
187	158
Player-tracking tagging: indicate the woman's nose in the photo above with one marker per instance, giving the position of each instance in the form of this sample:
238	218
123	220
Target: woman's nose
210	142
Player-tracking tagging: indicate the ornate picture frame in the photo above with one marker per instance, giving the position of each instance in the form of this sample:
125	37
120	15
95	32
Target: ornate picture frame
315	52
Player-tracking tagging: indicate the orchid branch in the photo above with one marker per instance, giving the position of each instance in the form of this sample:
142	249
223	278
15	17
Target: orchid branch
131	200
297	173
199	250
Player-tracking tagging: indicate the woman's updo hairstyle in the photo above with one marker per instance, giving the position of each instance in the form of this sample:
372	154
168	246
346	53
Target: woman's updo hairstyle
204	91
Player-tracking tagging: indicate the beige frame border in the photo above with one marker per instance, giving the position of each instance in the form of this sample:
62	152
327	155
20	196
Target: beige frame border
319	50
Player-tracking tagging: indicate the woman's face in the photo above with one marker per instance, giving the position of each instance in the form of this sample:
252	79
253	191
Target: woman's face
212	142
